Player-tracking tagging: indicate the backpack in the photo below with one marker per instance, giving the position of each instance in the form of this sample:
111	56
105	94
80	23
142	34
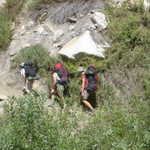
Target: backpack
62	73
30	71
91	79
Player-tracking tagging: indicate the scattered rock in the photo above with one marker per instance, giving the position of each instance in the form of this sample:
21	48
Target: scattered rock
82	44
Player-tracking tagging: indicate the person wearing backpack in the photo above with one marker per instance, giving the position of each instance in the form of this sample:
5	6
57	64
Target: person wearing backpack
60	80
29	73
89	86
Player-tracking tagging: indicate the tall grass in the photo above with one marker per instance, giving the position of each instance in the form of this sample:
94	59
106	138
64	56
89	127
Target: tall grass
117	125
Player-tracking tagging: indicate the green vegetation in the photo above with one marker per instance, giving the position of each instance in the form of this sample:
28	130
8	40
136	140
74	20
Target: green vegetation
129	32
5	30
7	17
116	125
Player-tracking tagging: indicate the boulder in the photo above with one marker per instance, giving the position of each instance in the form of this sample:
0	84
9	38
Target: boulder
99	19
82	44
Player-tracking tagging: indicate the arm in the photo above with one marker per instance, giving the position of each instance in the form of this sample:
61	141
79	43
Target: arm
83	82
22	71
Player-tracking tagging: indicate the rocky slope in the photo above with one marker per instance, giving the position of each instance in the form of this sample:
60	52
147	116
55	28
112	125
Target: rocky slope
53	27
62	28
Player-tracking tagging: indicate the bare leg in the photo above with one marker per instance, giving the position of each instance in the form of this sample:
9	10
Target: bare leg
30	85
27	85
87	104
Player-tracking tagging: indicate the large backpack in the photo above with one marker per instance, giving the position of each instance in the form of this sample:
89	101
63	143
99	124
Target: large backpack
30	71
62	73
91	79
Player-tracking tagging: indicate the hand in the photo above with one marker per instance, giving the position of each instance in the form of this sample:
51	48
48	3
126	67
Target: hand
81	91
52	91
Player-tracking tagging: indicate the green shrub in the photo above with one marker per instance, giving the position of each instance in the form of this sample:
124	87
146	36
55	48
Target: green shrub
27	126
38	55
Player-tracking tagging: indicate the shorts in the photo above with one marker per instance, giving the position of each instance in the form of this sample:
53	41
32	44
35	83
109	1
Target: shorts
87	94
90	97
63	90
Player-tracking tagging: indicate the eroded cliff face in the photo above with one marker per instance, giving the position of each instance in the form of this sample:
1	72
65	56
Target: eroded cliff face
53	26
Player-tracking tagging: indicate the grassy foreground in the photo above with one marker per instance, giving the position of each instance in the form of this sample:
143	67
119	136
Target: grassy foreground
115	125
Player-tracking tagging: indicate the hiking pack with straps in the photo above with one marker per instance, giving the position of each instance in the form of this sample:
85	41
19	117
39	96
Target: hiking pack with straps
30	71
62	73
91	79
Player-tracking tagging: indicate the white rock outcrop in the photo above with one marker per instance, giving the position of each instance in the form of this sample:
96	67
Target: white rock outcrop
2	2
82	44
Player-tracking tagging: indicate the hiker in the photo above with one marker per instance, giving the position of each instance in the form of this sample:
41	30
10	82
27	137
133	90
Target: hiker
29	73
60	80
89	87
